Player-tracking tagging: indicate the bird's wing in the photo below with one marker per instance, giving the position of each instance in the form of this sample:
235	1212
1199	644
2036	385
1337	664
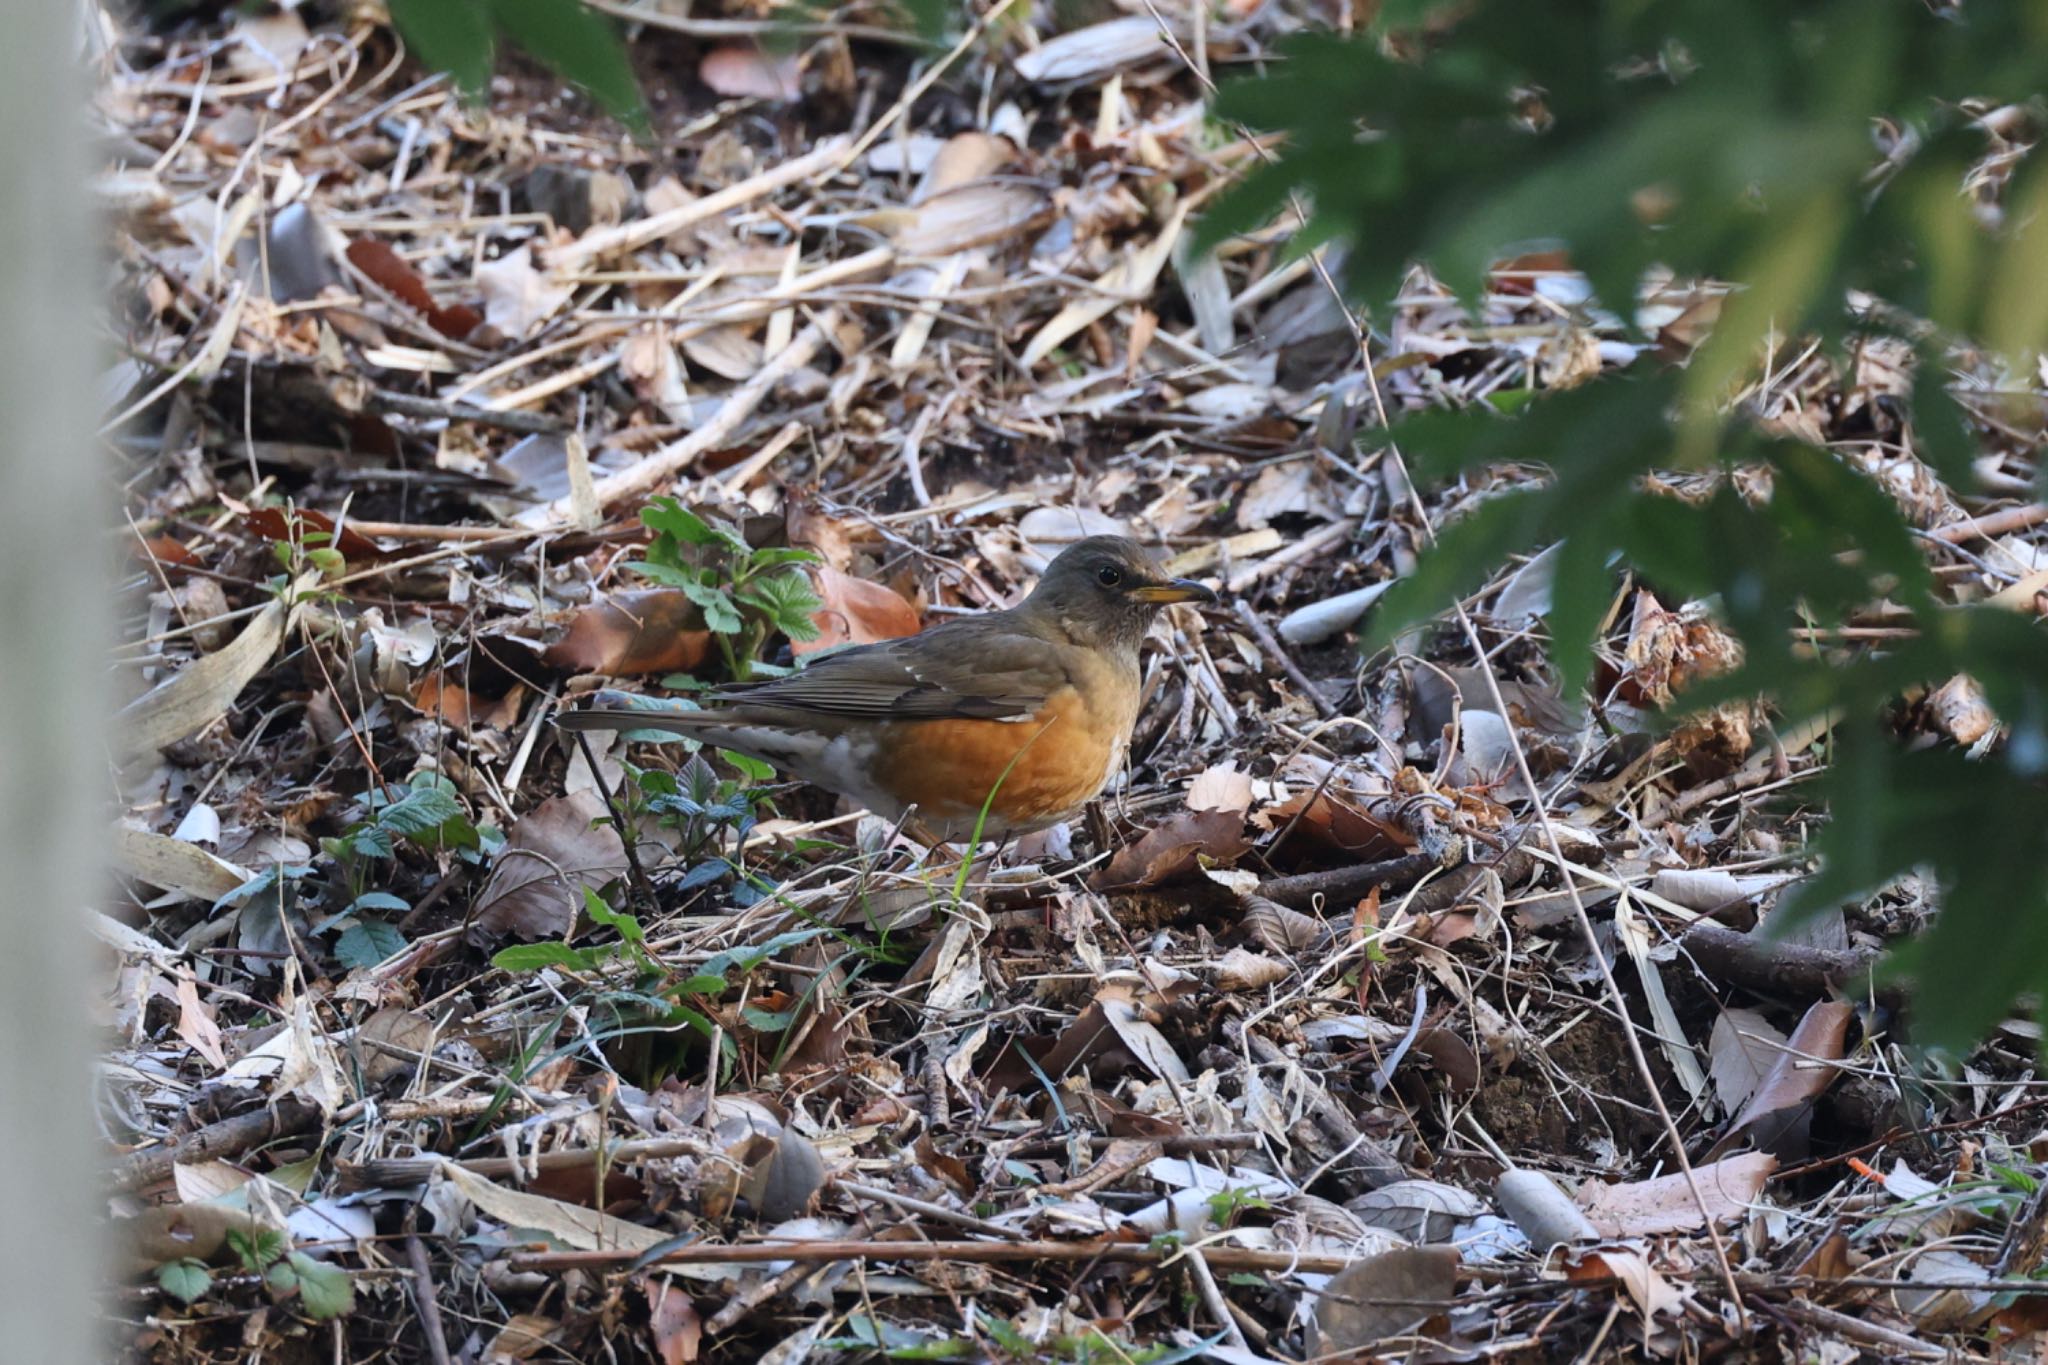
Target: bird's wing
975	668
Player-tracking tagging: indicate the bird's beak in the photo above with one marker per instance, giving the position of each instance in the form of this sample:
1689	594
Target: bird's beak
1174	590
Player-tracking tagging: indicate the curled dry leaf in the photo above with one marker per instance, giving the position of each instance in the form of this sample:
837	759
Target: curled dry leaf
659	630
1096	50
1244	970
1174	848
202	691
1777	1117
1334	824
551	855
744	71
978	214
962	159
1653	1295
1740	1053
856	611
1959	708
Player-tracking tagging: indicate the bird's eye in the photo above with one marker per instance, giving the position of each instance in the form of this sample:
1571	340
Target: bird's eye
1109	575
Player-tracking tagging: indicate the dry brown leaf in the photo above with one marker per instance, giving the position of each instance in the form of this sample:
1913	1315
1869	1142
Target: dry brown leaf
518	297
672	1320
175	865
551	854
1173	848
856	611
1740	1052
980	213
1244	970
1391	1294
1128	281
1221	786
1654	1208
1334	824
964	158
201	692
744	71
1777	1116
659	630
1653	1295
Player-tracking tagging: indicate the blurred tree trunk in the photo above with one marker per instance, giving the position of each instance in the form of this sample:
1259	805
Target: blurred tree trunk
53	623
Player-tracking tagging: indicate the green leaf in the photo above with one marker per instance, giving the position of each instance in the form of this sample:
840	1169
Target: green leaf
788	601
704	983
532	957
450	35
629	928
719	612
768	1021
367	942
256	1250
326	1290
753	769
187	1281
579	45
671	517
378	900
419	812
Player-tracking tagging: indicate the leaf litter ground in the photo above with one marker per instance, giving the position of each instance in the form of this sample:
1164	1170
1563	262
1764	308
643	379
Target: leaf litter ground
434	1036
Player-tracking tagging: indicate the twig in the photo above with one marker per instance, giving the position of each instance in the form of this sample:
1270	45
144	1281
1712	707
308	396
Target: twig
427	1296
1792	970
216	1141
641	884
754	1253
1992	523
411	405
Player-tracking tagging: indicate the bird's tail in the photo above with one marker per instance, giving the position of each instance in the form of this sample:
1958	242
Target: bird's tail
626	711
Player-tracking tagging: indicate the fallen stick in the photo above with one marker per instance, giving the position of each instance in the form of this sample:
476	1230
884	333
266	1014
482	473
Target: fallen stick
754	1253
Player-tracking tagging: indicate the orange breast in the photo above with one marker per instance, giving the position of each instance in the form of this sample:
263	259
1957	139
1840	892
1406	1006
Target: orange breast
1056	761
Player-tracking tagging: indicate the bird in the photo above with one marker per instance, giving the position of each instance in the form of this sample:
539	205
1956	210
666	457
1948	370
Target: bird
1026	711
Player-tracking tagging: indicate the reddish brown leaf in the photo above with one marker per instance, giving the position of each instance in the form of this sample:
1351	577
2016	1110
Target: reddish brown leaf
743	71
273	525
1335	825
390	272
1776	1118
168	551
659	630
856	611
1171	849
454	705
671	1320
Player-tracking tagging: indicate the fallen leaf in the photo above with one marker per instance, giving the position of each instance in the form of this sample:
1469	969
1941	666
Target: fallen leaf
1221	787
1172	849
659	630
672	1320
202	691
1740	1052
978	214
1388	1295
743	71
1654	1208
273	525
518	297
1654	1296
1336	825
386	268
856	611
1096	50
550	856
1778	1115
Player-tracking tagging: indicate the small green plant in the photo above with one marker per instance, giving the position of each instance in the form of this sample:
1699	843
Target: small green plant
1226	1204
423	813
653	991
746	595
325	1290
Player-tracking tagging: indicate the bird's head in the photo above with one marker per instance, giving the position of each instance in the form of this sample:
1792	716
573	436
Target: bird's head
1105	590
